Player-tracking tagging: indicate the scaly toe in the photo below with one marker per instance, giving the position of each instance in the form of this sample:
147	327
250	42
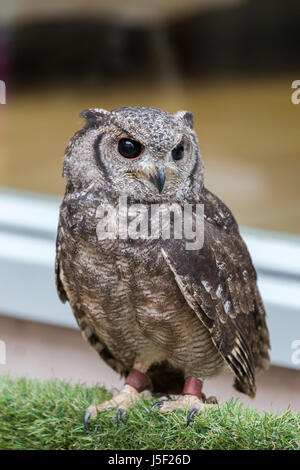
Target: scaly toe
114	392
184	402
122	400
91	412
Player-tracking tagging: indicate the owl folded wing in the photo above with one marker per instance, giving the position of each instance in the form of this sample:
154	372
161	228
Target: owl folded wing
59	284
219	284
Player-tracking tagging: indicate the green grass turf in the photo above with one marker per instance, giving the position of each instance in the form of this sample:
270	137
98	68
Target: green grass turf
48	415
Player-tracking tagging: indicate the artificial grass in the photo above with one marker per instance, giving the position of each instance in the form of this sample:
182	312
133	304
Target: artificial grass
48	415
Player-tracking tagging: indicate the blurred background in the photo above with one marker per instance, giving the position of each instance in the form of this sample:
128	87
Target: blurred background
231	63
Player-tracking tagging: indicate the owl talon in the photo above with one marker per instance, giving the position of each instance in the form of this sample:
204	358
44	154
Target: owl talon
191	415
87	414
120	415
158	403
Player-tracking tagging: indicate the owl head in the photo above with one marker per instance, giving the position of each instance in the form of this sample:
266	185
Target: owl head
146	154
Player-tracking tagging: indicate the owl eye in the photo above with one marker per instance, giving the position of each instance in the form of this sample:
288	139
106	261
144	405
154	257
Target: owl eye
129	148
178	152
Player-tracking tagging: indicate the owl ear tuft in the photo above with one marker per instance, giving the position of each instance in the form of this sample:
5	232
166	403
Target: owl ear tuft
94	116
187	117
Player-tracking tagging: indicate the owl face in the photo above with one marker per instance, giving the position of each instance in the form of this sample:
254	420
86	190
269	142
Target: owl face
144	153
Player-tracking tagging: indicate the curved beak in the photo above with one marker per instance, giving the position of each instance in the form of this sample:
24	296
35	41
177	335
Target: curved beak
158	179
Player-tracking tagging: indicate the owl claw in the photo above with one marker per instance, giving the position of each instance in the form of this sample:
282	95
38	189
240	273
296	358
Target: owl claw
87	414
121	401
120	415
158	403
183	402
190	416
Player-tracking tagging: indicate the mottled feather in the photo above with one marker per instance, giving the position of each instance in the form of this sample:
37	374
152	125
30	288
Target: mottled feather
182	312
219	283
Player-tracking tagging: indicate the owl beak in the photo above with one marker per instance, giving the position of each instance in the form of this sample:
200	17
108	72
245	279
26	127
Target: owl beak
158	179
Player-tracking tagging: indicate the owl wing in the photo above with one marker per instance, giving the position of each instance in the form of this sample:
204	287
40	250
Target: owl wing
59	284
219	284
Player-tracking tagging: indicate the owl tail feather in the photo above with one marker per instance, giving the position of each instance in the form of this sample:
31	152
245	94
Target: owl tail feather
244	388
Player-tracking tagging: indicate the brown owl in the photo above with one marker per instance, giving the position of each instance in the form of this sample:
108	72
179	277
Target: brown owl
164	316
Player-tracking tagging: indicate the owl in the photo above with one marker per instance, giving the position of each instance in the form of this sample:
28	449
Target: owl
163	316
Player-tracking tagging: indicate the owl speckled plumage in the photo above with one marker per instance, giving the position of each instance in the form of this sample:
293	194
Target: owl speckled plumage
163	316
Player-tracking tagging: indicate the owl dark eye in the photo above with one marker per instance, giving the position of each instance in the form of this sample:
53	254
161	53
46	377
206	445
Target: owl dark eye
129	148
178	152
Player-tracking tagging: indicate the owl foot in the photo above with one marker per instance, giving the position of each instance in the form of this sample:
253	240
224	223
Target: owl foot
184	402
122	401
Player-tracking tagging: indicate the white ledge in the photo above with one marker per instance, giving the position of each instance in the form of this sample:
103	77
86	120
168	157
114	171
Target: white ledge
28	225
